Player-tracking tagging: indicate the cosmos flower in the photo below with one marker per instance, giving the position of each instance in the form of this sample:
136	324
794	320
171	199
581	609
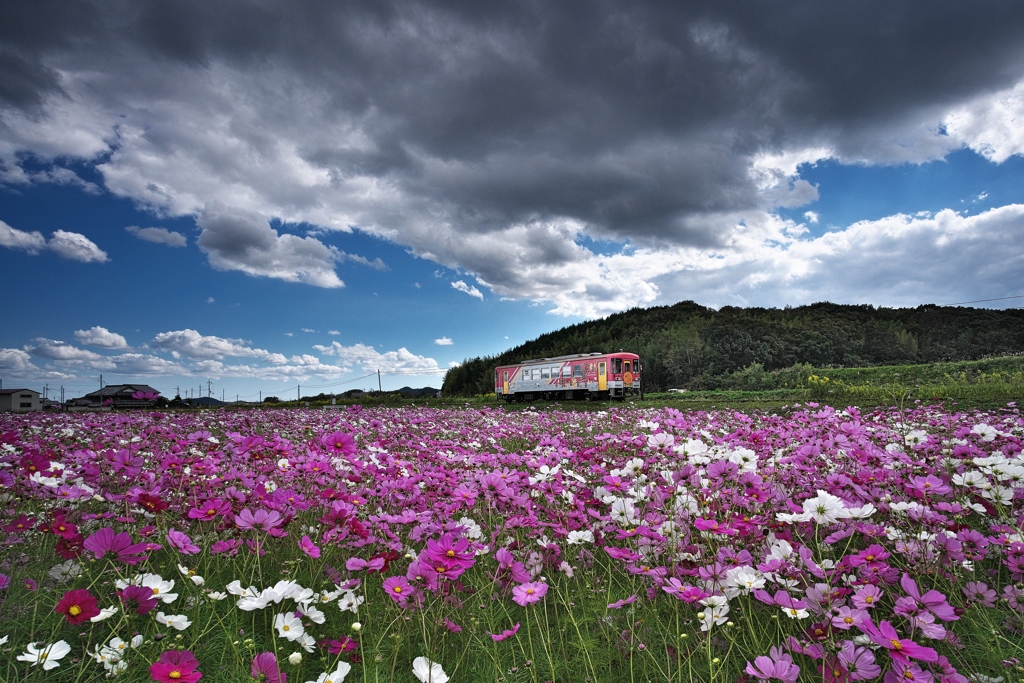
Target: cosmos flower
507	633
428	672
48	655
529	593
264	668
77	606
175	666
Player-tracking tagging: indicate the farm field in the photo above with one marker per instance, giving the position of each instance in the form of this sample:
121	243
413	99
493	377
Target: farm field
627	543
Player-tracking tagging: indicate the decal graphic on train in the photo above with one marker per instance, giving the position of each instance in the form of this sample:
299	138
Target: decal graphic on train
580	376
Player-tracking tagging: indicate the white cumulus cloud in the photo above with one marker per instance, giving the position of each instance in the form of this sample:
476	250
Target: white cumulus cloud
101	337
468	289
159	236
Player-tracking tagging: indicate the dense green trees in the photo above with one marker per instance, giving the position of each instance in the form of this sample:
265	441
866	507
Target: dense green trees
688	345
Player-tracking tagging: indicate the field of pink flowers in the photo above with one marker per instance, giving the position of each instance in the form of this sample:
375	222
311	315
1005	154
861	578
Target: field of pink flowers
405	544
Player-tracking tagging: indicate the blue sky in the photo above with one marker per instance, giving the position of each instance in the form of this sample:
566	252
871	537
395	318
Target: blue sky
194	194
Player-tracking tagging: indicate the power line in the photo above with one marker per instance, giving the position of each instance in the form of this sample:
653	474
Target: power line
982	301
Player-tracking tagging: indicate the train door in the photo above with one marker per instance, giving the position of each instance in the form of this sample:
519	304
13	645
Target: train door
602	376
627	374
504	381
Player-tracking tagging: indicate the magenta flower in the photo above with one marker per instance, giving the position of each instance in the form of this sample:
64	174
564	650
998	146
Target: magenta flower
933	601
398	588
78	605
619	604
105	542
175	666
859	661
900	650
307	546
529	593
686	593
867	597
266	520
182	543
210	510
450	550
138	598
767	668
507	633
355	564
339	443
264	668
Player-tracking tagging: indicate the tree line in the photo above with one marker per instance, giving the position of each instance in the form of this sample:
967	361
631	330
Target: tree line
687	345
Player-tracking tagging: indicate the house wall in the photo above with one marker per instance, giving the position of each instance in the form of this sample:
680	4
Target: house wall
21	401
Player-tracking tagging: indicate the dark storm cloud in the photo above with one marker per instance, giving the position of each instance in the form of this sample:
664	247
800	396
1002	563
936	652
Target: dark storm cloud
432	123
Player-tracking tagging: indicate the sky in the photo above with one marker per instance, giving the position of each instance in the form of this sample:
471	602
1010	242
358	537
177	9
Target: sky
248	198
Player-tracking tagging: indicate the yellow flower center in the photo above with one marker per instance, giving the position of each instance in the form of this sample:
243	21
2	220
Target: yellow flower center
896	644
869	599
174	674
398	589
75	610
529	591
450	553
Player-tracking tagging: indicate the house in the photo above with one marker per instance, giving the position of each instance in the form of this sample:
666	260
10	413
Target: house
19	401
118	396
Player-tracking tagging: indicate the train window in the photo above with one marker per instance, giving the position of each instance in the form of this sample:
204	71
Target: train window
616	366
626	367
577	370
545	373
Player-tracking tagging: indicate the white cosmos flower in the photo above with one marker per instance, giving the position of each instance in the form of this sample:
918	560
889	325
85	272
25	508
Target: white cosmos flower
178	622
312	612
104	614
825	508
427	671
580	536
289	626
336	676
49	656
350	602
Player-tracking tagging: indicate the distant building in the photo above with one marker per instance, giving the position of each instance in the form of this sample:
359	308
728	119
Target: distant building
19	401
118	396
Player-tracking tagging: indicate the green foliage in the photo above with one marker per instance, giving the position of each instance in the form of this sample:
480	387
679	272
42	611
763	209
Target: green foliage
689	346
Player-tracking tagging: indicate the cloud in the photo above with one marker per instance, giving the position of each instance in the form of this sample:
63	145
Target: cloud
12	238
444	341
238	239
70	245
15	360
501	141
811	216
333	333
369	359
59	350
468	289
101	337
159	236
196	346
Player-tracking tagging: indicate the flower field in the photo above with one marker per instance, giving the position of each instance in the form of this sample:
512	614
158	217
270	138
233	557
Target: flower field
421	544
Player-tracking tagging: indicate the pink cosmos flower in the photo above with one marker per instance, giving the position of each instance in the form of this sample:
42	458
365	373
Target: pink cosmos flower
175	666
307	546
105	542
528	593
858	661
767	668
266	520
210	510
355	564
139	598
399	589
686	593
182	543
867	597
900	650
507	633
619	604
933	601
339	443
78	605
264	668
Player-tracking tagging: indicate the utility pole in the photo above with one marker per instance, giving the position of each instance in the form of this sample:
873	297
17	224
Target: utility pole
379	387
209	388
298	393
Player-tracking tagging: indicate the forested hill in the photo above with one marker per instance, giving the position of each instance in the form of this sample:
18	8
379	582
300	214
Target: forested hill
688	345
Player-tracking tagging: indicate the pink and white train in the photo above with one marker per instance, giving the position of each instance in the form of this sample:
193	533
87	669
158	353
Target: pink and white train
580	376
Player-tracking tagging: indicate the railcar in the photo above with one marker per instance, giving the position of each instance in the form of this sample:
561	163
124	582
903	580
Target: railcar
577	377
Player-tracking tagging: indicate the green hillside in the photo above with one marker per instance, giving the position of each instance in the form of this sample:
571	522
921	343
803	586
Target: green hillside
689	346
